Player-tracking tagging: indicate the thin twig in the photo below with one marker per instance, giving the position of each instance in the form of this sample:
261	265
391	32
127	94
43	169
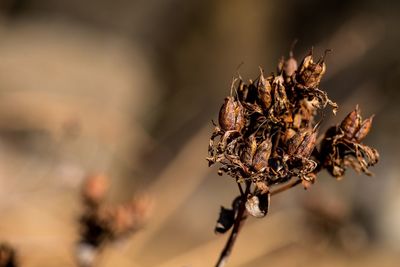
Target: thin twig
286	187
241	218
239	221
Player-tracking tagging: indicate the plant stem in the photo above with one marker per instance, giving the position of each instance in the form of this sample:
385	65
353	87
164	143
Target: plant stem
286	187
241	218
239	221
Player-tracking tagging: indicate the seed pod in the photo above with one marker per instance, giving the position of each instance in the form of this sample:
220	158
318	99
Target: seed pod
260	159
351	123
249	150
294	142
225	221
231	115
264	92
307	145
258	205
290	65
364	129
310	73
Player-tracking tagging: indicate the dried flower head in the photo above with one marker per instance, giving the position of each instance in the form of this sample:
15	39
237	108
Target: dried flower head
342	148
267	136
102	223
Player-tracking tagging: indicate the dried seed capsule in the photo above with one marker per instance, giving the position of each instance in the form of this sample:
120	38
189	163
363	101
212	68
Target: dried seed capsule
290	66
281	102
260	159
249	150
264	92
231	115
310	73
307	145
364	129
225	221
351	123
258	205
294	142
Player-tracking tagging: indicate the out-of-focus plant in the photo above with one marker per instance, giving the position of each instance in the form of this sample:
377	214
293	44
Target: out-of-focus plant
266	139
102	224
8	256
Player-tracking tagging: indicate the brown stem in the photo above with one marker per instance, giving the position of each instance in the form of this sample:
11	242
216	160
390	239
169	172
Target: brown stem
241	218
239	221
286	187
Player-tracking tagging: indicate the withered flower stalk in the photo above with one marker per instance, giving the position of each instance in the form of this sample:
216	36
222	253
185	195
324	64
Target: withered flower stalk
266	139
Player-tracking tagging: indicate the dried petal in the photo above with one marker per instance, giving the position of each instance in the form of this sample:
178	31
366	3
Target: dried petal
258	205
261	186
225	220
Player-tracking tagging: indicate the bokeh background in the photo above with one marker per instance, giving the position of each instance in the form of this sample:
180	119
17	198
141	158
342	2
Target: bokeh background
129	88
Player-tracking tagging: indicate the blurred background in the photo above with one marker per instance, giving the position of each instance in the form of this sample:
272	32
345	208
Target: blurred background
129	89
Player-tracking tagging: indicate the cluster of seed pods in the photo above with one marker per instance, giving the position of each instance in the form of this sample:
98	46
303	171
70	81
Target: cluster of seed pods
267	135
